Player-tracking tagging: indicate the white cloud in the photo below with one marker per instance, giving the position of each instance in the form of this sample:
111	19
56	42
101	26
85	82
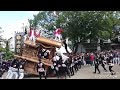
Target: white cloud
10	28
16	25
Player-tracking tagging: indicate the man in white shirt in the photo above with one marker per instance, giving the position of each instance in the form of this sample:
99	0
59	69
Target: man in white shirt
56	57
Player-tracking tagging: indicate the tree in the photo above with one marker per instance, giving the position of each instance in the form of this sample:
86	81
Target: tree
79	25
82	25
44	21
8	53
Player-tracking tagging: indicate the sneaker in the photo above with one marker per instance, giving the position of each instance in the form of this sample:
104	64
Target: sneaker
106	71
112	74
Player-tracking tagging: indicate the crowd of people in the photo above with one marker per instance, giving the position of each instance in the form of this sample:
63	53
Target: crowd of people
61	68
75	61
14	68
107	58
4	66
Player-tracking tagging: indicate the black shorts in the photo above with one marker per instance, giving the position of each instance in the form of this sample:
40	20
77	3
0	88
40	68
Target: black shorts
41	73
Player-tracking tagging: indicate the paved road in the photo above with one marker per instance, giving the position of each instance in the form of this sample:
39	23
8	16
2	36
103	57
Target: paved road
86	72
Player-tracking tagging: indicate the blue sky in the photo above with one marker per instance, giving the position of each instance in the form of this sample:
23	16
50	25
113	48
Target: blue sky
11	21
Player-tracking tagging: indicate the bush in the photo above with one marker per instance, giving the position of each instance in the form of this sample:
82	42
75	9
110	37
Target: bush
2	49
8	55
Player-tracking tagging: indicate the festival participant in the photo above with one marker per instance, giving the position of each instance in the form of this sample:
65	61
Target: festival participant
41	69
96	62
1	69
92	57
46	54
43	53
15	70
67	63
72	66
33	35
55	63
103	62
25	34
79	62
10	71
83	59
110	67
119	58
75	63
21	69
57	34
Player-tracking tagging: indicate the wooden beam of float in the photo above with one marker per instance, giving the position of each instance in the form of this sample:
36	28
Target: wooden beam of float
35	61
29	43
49	42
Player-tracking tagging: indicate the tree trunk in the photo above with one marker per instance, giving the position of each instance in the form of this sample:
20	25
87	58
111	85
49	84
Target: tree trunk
75	47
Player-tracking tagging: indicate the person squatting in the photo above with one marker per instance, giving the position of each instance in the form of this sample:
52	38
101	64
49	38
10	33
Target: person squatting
16	69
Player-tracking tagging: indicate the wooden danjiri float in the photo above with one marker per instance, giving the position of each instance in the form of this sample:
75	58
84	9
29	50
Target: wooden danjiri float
30	53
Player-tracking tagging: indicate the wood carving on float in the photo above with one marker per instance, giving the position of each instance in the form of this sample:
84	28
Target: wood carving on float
35	47
18	43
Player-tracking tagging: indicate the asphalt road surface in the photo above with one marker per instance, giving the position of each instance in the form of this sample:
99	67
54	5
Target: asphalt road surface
86	72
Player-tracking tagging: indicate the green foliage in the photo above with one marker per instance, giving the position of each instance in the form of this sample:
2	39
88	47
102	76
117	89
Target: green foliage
2	49
80	25
8	53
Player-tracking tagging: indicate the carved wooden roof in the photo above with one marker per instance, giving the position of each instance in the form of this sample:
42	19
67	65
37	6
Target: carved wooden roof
29	43
48	41
45	41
